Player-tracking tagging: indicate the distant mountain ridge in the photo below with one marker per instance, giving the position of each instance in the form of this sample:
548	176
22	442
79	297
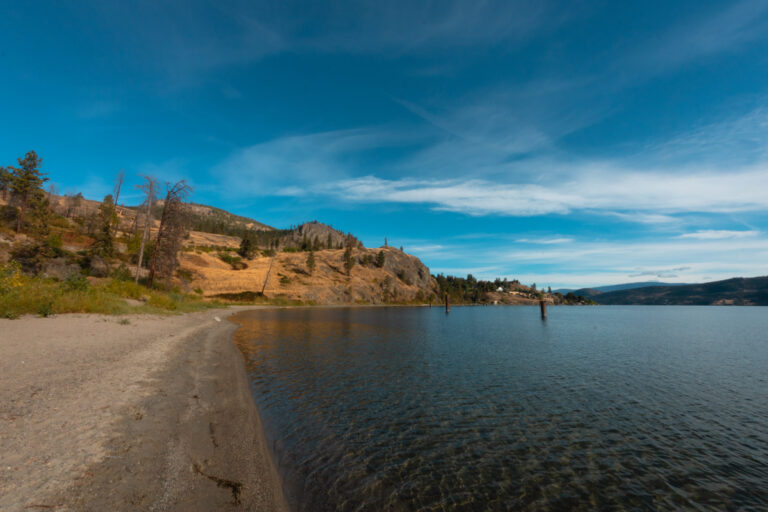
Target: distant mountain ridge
738	291
617	287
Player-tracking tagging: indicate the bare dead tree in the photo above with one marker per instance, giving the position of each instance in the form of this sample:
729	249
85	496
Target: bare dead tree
118	185
116	195
171	233
52	193
149	188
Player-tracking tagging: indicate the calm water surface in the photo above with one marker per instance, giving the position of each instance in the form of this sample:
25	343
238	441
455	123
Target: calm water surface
489	408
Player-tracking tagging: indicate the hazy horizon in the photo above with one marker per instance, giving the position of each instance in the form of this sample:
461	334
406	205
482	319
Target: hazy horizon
559	145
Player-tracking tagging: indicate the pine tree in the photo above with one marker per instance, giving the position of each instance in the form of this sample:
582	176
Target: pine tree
107	219
380	259
247	247
329	244
311	262
5	182
40	207
349	261
26	182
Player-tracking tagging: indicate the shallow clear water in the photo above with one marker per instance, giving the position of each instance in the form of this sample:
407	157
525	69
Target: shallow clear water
489	408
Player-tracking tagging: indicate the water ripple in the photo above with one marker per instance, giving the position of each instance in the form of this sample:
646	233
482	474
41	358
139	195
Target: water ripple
610	408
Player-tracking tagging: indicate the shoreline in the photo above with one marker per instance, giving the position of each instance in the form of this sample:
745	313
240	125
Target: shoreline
134	412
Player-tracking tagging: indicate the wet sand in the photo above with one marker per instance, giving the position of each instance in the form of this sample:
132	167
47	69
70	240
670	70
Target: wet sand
129	413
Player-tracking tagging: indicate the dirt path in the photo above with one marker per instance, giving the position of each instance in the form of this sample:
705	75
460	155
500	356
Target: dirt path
155	413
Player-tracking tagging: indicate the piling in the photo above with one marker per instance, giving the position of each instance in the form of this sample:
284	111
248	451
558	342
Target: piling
543	307
447	304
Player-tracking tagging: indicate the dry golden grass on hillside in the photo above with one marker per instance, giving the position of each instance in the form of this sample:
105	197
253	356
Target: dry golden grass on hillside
328	284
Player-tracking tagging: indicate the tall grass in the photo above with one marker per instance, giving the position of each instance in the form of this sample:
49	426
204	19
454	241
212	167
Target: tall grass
21	295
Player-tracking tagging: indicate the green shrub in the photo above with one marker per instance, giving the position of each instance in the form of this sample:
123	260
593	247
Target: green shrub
54	241
185	274
45	308
122	273
76	283
227	257
162	301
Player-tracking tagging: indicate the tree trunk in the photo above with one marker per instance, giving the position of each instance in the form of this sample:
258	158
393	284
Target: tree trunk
20	219
151	278
147	224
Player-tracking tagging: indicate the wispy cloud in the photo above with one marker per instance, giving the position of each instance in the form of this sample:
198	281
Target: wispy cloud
712	33
277	166
648	191
610	262
185	43
545	241
605	188
644	218
732	139
661	273
714	234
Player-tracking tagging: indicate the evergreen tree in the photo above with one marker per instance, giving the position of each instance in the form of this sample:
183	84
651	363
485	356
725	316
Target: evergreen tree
349	261
26	182
40	207
380	259
247	247
329	244
5	182
311	262
107	218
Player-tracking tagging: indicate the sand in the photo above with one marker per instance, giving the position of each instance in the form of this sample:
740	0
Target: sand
129	413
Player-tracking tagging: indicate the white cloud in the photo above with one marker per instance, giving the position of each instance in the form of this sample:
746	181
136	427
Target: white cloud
545	241
294	165
620	261
652	192
644	218
714	234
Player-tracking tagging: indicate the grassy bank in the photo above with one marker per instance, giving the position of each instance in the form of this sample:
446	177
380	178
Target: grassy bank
21	294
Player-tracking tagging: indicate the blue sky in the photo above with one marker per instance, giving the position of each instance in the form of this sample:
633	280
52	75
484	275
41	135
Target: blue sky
567	144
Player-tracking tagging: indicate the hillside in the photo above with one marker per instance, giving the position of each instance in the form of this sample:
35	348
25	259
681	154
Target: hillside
402	277
737	291
217	263
210	263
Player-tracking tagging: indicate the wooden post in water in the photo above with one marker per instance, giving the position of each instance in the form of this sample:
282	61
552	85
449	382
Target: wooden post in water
447	304
543	307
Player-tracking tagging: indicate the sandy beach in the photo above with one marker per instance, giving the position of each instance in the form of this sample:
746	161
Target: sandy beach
129	413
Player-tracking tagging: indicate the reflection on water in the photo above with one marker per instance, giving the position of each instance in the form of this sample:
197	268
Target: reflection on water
492	409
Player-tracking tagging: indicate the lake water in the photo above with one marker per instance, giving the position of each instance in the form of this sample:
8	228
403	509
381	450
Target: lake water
490	408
